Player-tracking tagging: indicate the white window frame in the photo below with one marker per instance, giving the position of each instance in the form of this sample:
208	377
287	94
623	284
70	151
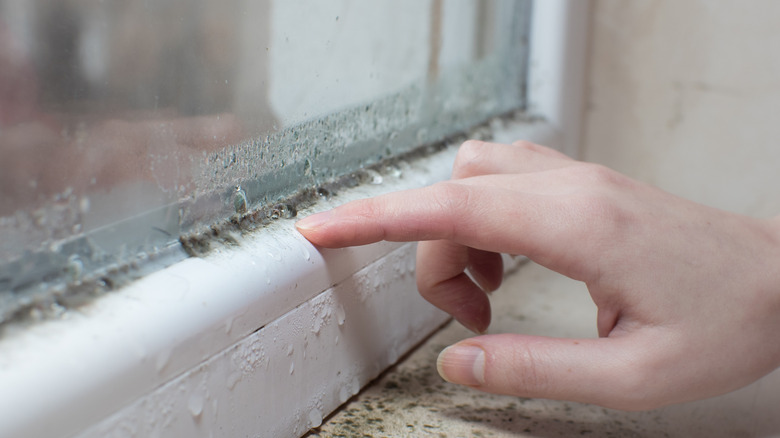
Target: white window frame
178	353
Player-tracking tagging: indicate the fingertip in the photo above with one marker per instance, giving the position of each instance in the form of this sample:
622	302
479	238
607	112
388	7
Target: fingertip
462	364
487	271
313	222
478	323
475	313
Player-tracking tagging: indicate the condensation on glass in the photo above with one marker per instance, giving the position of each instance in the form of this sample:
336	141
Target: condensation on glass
124	125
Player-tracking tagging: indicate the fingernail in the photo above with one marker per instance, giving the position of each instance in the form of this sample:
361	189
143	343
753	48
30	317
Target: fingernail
475	327
482	281
462	364
314	221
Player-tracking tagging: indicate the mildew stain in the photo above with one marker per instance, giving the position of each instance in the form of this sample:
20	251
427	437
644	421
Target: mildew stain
84	284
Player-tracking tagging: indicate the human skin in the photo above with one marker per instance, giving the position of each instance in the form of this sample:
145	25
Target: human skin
688	296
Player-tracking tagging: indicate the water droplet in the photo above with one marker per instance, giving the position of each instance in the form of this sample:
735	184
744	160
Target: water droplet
324	193
239	200
336	341
374	177
228	325
341	315
393	356
283	211
195	405
233	379
393	170
344	394
75	267
84	205
162	360
292	367
306	254
355	386
274	252
290	350
317	326
315	418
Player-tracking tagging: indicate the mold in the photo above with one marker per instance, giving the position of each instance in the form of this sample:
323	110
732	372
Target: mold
91	273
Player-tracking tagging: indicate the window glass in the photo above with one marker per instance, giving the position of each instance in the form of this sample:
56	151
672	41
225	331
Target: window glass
124	125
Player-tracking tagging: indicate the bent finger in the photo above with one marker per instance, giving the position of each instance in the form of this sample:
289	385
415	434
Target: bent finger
442	281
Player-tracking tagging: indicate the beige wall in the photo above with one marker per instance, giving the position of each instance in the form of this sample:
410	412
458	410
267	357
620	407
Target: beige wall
685	95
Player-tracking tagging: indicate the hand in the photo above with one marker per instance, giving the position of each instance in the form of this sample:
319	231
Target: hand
688	296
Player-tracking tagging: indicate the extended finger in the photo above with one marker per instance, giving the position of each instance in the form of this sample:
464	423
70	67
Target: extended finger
484	217
476	158
445	211
499	213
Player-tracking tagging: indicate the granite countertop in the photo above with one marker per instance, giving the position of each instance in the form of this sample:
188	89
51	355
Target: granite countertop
411	400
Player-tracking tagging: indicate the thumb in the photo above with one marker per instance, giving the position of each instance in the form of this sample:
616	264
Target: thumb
602	371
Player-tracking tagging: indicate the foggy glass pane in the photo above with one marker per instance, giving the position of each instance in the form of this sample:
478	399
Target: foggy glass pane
124	125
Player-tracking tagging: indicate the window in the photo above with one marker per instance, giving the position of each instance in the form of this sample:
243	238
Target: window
127	126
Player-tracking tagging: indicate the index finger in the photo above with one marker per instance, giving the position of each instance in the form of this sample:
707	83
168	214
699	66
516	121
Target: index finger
429	213
479	216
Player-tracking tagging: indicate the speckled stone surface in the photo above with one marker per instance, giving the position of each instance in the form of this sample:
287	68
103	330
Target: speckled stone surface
411	400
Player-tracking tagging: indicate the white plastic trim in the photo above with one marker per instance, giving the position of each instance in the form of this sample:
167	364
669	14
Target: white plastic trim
283	379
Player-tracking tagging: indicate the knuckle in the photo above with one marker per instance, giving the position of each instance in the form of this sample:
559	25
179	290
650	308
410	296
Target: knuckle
472	147
527	145
367	208
599	175
469	158
597	202
600	209
451	197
